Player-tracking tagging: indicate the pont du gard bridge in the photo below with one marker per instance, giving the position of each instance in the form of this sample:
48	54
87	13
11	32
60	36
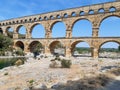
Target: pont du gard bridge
94	13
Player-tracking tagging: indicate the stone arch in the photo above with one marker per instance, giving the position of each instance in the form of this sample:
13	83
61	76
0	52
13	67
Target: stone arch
82	13
111	44
107	16
81	20
101	10
65	15
19	44
40	18
91	12
73	45
21	30
33	44
113	20
58	16
55	26
45	18
39	34
9	31
53	44
112	9
116	41
51	17
73	14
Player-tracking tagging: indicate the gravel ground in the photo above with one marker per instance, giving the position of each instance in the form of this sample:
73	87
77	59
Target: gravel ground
38	71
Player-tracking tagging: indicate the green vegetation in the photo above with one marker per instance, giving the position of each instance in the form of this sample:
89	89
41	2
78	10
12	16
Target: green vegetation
82	50
37	49
10	62
10	34
109	50
66	63
19	52
5	44
6	73
60	63
21	36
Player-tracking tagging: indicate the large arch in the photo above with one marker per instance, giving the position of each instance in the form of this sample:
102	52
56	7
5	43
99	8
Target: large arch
37	31
9	32
21	30
58	29
19	44
82	28
109	49
81	48
56	47
34	45
110	26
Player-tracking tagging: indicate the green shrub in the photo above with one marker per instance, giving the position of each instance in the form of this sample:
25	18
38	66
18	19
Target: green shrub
6	73
19	62
66	63
20	52
10	62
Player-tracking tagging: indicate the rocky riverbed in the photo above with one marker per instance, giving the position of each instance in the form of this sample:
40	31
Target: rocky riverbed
36	72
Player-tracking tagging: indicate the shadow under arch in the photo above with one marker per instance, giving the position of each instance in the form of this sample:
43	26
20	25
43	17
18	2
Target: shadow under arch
111	51
80	24
19	44
37	30
34	45
56	47
58	29
84	51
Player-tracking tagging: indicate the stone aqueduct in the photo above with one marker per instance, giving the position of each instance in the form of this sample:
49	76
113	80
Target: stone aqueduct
69	17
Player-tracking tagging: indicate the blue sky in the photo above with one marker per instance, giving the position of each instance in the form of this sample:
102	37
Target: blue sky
18	8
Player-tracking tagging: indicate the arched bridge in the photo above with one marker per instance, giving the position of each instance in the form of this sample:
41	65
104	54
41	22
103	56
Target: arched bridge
95	14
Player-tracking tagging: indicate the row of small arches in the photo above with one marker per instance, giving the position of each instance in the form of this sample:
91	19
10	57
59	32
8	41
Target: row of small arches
65	15
79	29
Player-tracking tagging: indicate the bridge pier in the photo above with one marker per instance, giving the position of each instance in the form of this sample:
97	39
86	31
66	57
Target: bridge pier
95	52
47	50
68	52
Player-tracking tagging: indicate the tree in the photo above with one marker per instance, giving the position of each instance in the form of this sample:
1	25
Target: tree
5	43
37	49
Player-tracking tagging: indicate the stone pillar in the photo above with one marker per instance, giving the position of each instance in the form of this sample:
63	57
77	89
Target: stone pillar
26	48
95	53
47	50
4	31
28	31
28	35
15	33
95	32
68	52
48	31
69	30
68	34
48	34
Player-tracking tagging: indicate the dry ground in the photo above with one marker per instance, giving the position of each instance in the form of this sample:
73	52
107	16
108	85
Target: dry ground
39	73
